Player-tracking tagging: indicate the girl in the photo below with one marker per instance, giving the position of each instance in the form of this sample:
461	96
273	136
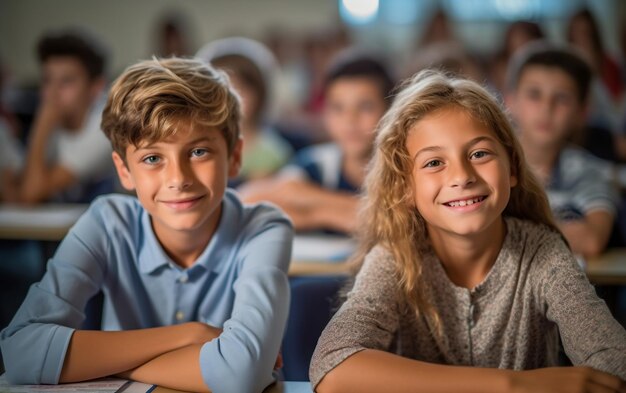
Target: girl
462	265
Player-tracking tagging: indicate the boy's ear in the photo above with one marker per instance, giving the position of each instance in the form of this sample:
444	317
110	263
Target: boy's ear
122	172
234	161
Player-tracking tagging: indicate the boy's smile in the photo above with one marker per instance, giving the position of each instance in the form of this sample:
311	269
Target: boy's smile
461	173
181	180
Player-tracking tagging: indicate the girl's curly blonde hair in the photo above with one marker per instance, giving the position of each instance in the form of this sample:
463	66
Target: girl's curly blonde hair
389	217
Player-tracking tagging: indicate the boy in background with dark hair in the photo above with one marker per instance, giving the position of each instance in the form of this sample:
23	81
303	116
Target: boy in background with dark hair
548	91
318	189
68	158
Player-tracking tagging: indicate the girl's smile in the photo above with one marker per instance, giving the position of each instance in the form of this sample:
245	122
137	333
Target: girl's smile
461	177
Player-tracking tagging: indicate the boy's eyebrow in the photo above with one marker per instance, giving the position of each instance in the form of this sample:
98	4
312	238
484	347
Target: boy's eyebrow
202	139
192	142
467	145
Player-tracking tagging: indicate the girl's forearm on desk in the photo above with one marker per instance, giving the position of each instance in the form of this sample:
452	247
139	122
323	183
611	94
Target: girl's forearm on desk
95	354
376	371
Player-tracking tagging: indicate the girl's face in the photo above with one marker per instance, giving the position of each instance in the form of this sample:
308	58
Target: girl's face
461	174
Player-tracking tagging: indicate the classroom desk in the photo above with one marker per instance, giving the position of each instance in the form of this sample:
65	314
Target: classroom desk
320	254
608	268
279	387
49	222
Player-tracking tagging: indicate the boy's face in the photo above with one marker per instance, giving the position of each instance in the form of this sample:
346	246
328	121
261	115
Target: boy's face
181	180
67	85
546	106
352	109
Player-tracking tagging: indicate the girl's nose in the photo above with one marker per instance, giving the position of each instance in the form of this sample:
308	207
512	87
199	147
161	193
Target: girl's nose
461	174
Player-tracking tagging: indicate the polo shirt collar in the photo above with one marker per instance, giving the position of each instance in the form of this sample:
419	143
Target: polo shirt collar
213	258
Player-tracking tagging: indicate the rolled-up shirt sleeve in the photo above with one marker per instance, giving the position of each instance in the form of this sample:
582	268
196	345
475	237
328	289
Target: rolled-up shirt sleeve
34	344
242	358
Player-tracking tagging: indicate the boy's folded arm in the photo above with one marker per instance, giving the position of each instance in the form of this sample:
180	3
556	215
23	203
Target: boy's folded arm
34	344
94	354
242	358
178	369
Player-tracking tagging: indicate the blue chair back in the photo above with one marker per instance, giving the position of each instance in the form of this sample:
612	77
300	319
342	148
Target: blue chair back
314	301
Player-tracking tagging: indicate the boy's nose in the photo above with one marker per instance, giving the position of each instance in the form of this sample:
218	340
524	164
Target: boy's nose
179	176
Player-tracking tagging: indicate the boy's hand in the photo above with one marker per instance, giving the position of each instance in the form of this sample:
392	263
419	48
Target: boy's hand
49	113
566	380
200	333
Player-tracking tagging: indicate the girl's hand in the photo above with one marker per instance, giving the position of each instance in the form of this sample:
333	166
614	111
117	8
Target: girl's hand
566	380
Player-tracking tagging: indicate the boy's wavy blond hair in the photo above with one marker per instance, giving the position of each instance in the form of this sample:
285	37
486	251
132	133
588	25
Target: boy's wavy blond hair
389	217
149	100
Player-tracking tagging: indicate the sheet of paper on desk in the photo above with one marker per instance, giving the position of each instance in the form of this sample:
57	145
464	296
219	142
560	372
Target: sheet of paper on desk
318	248
106	385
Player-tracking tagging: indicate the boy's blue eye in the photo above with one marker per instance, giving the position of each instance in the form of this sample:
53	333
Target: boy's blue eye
152	160
199	152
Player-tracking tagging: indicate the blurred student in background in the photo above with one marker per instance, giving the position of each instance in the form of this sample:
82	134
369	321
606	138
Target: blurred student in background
11	154
517	35
548	96
250	67
607	89
318	189
68	158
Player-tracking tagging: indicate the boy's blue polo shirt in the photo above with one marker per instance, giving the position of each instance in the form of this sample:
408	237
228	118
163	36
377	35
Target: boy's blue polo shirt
239	283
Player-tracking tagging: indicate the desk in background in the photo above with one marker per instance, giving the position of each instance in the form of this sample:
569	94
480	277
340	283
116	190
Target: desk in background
48	222
312	254
319	254
608	268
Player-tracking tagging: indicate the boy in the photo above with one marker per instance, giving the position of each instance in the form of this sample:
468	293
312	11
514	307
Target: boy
68	157
548	92
318	188
195	284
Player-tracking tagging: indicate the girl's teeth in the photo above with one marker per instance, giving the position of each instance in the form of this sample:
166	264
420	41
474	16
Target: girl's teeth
464	203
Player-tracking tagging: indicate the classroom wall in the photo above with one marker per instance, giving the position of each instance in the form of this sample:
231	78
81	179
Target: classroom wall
127	27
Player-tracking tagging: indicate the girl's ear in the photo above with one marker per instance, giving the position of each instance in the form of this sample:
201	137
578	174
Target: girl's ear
123	173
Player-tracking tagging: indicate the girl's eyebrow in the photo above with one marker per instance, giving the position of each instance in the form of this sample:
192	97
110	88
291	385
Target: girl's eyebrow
427	149
469	144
